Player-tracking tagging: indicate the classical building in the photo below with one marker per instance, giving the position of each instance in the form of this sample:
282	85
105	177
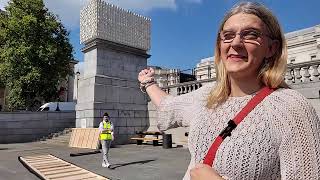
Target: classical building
205	69
303	45
166	77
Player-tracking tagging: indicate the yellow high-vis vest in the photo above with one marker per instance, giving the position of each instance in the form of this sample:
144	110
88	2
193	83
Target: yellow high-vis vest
106	135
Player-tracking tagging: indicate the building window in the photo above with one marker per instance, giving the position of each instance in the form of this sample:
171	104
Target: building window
313	57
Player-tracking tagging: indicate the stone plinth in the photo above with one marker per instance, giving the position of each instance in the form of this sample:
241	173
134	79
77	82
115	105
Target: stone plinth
116	44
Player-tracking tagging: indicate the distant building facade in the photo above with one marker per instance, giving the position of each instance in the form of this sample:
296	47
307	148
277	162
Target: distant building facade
205	69
167	77
303	45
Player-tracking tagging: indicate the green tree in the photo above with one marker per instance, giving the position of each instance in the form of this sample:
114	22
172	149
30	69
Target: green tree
35	53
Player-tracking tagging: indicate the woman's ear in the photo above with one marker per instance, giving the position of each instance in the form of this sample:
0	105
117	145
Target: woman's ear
272	48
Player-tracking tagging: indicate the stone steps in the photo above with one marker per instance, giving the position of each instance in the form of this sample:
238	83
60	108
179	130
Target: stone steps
58	138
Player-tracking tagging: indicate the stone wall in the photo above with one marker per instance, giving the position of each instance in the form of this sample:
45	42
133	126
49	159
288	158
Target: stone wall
17	127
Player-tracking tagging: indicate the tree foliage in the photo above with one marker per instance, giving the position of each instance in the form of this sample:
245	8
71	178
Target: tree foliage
35	53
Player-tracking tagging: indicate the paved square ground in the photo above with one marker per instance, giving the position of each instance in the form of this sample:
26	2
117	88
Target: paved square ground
130	162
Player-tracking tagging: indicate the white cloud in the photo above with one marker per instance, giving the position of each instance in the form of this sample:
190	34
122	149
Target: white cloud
69	10
3	3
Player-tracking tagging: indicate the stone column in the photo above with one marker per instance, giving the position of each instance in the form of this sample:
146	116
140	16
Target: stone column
116	43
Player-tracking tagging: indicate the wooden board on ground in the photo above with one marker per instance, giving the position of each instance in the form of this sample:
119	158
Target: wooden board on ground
84	138
49	167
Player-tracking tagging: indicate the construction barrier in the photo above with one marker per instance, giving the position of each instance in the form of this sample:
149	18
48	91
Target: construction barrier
84	138
49	167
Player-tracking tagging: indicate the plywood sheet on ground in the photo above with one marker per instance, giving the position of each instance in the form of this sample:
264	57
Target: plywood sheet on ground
84	138
49	167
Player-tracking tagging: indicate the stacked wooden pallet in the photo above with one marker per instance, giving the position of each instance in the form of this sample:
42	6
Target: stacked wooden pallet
49	167
84	138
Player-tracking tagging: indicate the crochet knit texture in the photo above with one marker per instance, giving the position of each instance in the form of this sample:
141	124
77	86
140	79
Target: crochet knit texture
278	139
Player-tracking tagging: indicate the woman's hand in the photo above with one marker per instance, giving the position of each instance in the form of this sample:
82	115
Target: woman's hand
147	80
204	172
145	75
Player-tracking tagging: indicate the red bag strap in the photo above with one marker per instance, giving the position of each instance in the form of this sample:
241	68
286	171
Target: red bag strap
232	124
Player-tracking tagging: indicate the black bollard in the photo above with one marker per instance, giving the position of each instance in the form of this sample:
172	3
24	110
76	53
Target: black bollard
167	141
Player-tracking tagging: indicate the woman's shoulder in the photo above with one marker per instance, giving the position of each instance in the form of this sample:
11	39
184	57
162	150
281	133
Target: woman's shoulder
285	93
289	98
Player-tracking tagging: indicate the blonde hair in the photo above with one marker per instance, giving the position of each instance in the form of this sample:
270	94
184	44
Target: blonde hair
271	72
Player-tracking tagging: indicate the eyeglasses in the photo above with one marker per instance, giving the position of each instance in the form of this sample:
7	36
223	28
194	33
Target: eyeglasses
245	35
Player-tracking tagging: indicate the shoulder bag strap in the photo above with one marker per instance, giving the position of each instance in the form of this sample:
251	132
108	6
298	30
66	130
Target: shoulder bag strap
232	124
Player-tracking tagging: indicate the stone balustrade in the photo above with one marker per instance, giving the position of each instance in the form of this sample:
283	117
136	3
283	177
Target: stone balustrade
296	73
183	88
303	72
302	77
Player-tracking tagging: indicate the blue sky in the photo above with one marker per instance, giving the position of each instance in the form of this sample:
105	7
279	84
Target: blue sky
184	31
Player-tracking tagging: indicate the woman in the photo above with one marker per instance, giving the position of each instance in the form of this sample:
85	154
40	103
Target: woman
279	138
106	137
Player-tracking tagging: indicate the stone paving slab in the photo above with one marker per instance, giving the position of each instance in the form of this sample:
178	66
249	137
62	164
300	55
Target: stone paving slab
130	162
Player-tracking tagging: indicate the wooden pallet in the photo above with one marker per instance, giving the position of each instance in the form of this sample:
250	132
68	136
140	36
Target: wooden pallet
49	167
84	138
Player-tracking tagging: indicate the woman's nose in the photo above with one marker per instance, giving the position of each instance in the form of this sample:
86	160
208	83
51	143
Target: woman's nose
237	41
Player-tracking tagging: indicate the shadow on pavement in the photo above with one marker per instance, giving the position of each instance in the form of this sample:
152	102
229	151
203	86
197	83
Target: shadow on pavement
115	166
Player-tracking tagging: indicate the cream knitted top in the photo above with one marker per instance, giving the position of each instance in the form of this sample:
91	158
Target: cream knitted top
279	139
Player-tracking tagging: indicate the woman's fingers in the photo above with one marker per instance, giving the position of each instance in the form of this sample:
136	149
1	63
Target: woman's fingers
148	72
145	74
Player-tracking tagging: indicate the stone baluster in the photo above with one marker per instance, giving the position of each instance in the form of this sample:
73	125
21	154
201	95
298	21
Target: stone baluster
306	74
315	72
178	91
183	89
297	75
289	78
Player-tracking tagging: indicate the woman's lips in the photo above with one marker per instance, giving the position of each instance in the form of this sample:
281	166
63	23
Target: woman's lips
234	57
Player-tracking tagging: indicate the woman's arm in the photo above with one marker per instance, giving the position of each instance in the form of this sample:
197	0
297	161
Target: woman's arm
299	150
155	93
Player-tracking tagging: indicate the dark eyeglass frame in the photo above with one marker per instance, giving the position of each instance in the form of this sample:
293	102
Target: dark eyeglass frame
242	34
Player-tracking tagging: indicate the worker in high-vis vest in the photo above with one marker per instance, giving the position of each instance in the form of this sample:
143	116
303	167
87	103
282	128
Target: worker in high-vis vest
106	137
